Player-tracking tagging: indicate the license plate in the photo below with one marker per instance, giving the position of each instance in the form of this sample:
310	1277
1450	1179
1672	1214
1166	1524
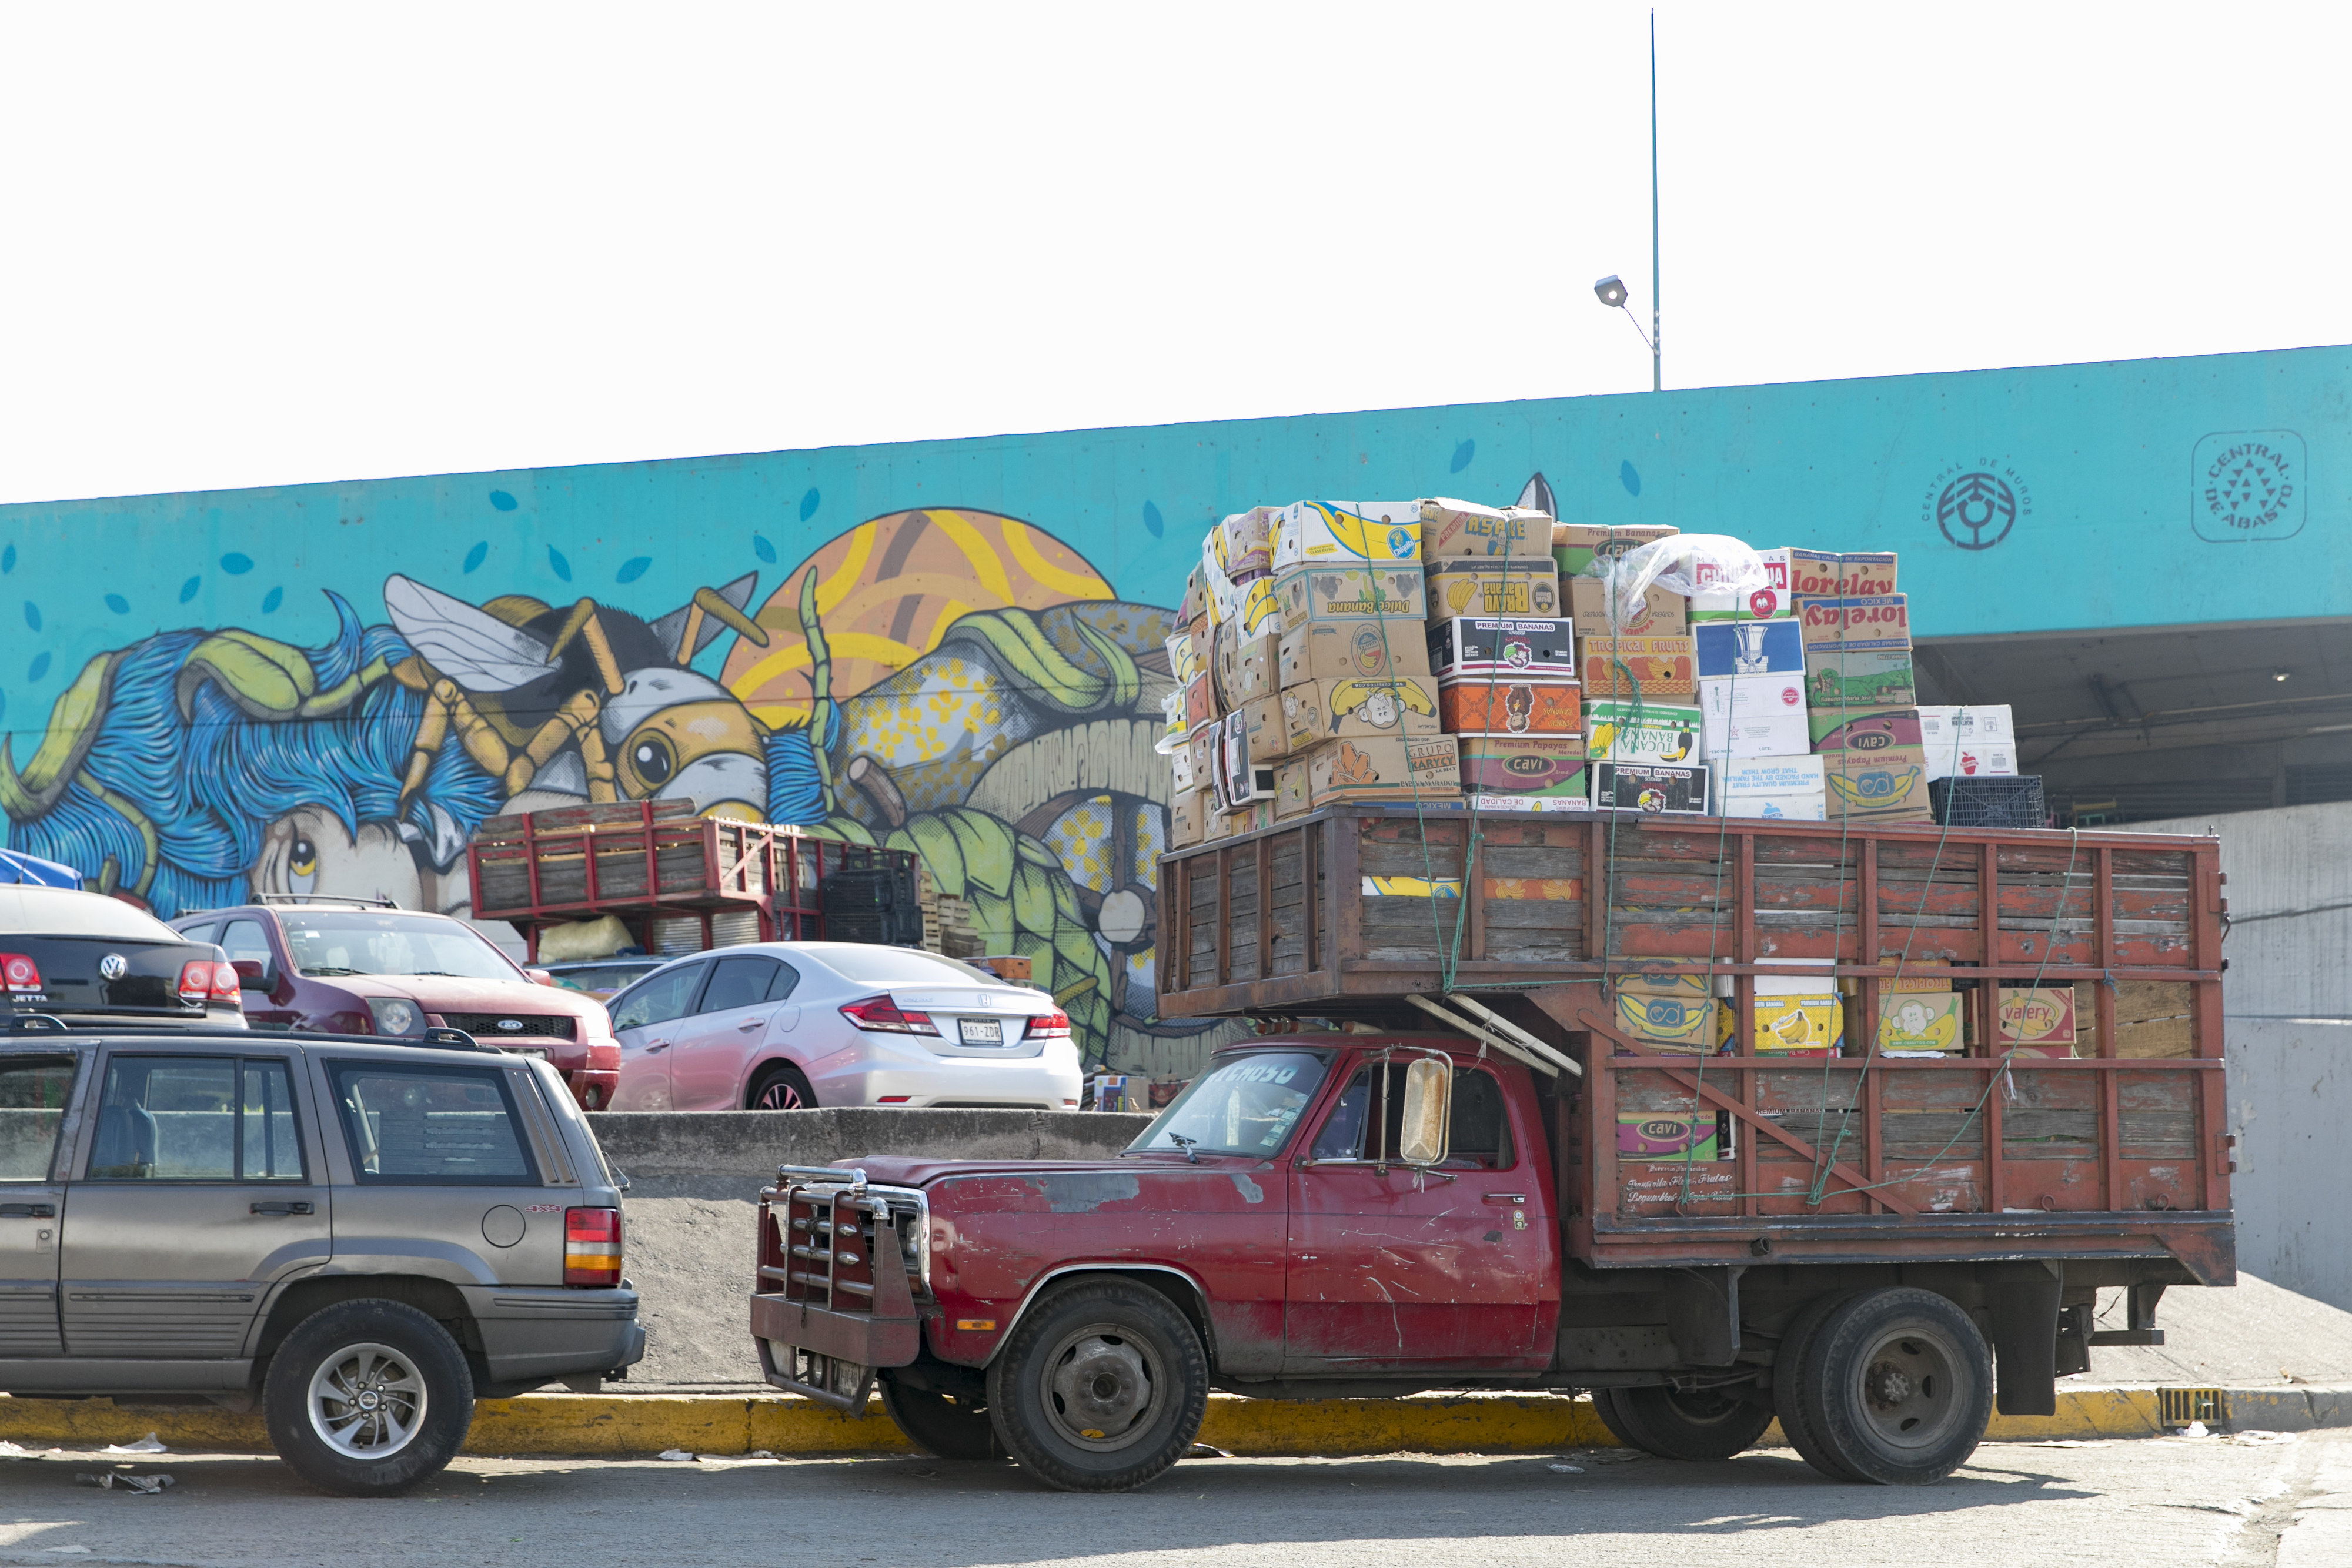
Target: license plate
982	1031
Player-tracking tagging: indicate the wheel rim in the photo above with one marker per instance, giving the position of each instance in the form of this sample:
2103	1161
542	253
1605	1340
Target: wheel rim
1101	1387
367	1401
1705	1408
780	1095
1908	1388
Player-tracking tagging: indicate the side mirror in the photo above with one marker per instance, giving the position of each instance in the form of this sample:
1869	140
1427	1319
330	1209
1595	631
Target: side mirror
253	975
1428	1111
540	976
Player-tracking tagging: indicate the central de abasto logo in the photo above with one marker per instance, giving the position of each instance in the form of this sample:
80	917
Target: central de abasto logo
1975	505
2247	484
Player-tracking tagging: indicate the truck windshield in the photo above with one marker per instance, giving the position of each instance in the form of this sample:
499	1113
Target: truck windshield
362	942
1243	1105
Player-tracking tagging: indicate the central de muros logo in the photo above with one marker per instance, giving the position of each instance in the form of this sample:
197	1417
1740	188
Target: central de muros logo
2247	484
1975	503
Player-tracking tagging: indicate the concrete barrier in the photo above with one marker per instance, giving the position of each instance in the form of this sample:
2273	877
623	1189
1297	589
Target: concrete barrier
754	1142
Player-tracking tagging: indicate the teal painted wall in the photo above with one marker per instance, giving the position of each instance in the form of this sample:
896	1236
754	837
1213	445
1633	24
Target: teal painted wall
2151	493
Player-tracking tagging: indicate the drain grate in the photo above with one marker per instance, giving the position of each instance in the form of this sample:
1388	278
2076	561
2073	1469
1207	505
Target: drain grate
2179	1406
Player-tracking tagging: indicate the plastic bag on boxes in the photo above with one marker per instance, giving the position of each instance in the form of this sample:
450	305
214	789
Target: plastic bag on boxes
1684	564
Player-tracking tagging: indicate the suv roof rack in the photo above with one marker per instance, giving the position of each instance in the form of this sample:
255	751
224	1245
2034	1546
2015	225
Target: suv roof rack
438	1038
349	899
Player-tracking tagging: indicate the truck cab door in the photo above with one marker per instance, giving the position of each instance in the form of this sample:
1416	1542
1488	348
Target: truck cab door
1455	1269
33	1090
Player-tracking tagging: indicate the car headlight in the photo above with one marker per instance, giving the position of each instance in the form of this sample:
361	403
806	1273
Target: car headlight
396	1015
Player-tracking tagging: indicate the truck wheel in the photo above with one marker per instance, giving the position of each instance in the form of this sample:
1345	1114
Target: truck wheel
782	1087
1704	1425
1789	1374
940	1424
1101	1388
1604	1404
1899	1387
367	1399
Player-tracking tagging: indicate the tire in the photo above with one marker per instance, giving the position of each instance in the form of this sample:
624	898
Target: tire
781	1082
1604	1404
1707	1424
1109	1353
940	1424
333	1362
1789	1375
1899	1387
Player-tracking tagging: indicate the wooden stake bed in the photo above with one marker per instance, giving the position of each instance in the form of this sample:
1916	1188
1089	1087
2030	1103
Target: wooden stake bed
2119	1151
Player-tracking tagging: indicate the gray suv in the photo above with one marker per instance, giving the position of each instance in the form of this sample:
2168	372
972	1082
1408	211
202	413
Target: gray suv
364	1239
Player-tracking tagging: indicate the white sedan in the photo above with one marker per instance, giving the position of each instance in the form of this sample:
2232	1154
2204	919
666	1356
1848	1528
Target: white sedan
786	1025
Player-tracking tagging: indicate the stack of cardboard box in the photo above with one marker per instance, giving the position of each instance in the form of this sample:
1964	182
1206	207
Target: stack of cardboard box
1864	696
1641	726
1751	684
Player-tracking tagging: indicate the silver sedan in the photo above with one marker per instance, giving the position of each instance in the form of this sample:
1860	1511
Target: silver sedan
784	1026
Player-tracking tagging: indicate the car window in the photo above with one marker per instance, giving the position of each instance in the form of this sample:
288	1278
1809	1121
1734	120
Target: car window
63	911
1478	1134
659	998
1245	1104
737	983
334	942
898	965
201	931
245	941
32	1106
431	1125
196	1118
787	977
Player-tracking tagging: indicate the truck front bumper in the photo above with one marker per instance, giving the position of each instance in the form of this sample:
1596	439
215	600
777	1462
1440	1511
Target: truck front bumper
826	1355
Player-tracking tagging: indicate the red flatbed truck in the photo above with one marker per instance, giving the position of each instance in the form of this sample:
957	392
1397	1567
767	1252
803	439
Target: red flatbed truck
1523	1197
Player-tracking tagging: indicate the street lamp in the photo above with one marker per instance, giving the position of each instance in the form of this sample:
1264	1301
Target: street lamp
1611	290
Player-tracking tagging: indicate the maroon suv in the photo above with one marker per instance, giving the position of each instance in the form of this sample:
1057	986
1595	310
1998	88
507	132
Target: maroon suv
339	966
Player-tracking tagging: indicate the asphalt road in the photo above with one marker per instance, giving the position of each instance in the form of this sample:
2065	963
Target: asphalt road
2175	1501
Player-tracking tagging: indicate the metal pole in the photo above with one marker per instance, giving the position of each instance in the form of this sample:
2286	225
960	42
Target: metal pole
1657	345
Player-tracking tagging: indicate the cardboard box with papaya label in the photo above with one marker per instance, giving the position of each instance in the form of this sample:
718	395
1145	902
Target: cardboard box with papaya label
1833	574
1542	765
1468	585
1450	528
1575	545
1338	650
1654	667
1311	596
1319	533
1395	767
1508	705
1317	711
1864	729
1661	613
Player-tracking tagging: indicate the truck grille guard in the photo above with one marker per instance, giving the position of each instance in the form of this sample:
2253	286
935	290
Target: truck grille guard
842	1264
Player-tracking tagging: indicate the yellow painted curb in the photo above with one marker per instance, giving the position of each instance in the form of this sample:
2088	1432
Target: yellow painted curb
611	1424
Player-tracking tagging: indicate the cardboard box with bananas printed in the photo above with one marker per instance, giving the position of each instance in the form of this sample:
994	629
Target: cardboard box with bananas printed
1673	1013
1320	595
1513	644
1638	666
1885	786
1505	704
1920	1024
1475	586
1290	788
1465	528
1338	649
1575	545
1551	764
1425	768
1626	731
1317	711
1318	533
1790	1026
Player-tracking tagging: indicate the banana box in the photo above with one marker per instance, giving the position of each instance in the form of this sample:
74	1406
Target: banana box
1682	1137
1450	528
1368	649
1188	818
1317	711
1896	983
1202	746
1540	765
1864	729
1576	546
1662	612
1477	586
1319	533
1397	767
1247	603
1257	731
1504	705
1790	1026
1638	666
1412	887
2035	1020
1244	541
1311	596
1921	1023
1676	1011
1770	602
1195	602
1840	574
1888	785
1290	788
1858	653
1626	731
1183	661
1180	769
1649	786
1246	665
1244	778
1200	702
1512	645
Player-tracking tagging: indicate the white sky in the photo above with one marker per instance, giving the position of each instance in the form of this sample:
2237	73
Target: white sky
254	244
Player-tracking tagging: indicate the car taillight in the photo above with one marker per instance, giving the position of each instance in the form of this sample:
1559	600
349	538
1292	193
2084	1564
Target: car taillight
882	1014
21	973
592	1247
196	981
226	985
1048	1025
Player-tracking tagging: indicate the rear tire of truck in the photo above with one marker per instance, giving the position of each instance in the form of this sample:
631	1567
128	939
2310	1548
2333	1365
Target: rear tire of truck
1898	1386
1790	1372
782	1087
368	1398
1101	1387
940	1424
1604	1404
1701	1426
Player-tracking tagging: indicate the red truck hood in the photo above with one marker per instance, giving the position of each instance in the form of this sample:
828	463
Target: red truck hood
452	994
899	1170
